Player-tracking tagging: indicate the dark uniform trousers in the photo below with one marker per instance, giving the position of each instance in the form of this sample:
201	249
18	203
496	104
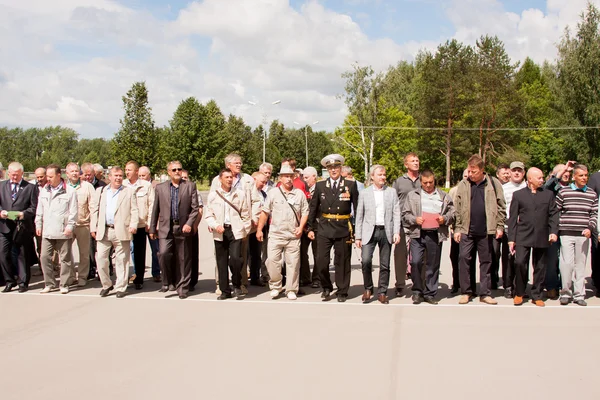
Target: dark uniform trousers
483	244
522	270
194	254
501	252
454	260
305	276
341	261
176	261
228	253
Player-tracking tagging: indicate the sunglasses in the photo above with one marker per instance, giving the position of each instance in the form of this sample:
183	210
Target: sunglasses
176	169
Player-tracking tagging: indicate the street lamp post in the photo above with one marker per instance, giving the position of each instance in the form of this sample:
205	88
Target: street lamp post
306	139
264	115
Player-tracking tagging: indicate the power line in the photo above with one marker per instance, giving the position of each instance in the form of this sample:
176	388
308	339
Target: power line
405	128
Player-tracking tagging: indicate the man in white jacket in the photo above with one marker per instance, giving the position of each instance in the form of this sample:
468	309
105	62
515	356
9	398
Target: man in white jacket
55	220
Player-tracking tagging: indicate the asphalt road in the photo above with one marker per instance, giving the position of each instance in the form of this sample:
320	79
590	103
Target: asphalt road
81	346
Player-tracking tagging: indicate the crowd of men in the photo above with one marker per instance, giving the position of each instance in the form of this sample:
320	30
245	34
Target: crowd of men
262	230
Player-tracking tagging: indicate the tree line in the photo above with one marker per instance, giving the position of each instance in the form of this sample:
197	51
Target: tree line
445	105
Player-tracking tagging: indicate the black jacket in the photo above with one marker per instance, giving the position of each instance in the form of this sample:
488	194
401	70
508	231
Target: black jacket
533	217
324	201
26	201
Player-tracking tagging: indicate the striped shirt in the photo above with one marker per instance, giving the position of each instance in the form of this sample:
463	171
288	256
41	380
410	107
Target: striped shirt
578	209
431	203
509	189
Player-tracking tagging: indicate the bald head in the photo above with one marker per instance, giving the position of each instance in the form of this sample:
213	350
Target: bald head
535	178
144	174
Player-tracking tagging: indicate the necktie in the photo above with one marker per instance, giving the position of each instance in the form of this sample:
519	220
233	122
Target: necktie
14	191
334	186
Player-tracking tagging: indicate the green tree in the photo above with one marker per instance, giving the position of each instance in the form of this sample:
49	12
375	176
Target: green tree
136	139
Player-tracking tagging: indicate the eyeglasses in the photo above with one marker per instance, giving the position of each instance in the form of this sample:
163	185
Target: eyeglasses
176	169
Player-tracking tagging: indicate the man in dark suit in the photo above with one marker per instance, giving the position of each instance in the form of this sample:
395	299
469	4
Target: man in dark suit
594	183
532	227
332	204
174	214
18	201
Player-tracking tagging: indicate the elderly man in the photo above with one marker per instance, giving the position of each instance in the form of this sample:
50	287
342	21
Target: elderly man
99	172
176	206
194	240
348	174
309	174
258	192
18	202
228	217
329	217
405	184
288	208
377	224
88	174
578	208
480	215
40	181
144	195
115	219
532	226
267	169
81	234
55	220
427	213
144	174
500	246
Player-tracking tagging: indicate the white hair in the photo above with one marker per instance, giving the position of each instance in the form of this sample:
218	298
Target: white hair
266	165
309	171
98	168
15	166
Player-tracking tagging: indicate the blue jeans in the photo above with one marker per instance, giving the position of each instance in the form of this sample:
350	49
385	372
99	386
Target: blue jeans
154	248
385	248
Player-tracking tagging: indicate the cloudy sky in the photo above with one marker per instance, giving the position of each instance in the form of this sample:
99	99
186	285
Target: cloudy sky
68	62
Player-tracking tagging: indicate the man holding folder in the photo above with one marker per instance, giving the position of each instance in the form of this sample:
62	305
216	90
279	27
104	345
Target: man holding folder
427	213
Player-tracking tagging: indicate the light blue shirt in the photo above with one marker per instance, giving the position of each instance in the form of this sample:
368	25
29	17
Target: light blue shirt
111	204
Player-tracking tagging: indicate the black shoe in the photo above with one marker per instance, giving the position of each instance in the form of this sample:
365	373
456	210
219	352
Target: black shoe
454	290
257	283
325	294
104	292
341	298
192	288
23	289
417	298
171	288
399	292
224	296
163	289
8	288
183	296
238	294
564	301
139	286
315	285
508	293
120	295
430	300
301	292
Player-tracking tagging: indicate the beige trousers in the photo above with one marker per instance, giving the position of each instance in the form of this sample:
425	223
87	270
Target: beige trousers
276	248
63	247
121	260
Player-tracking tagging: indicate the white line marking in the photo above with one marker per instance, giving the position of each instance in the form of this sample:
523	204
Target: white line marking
332	302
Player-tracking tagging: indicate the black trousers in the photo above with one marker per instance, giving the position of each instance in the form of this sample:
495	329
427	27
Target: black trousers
595	262
175	262
501	252
139	255
522	270
553	278
380	239
483	245
195	263
341	261
454	257
228	253
26	256
255	248
305	276
427	246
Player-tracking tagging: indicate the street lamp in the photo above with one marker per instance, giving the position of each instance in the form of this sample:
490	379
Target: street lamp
264	115
306	138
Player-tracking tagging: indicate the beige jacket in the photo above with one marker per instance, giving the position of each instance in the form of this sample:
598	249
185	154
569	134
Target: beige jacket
144	194
126	214
85	195
56	211
215	213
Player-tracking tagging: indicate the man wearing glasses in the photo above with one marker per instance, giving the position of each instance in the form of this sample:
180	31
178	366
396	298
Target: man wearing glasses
332	204
176	207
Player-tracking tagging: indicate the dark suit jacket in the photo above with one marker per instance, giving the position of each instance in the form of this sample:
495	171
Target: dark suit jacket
26	201
161	211
533	217
594	182
325	201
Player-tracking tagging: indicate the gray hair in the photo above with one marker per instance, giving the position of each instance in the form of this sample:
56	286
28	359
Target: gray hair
376	167
174	162
310	171
266	165
15	166
231	157
98	167
347	170
72	164
580	166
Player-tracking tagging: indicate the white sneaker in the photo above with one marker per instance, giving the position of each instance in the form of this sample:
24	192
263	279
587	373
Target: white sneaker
64	290
218	292
47	289
244	289
275	293
291	296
